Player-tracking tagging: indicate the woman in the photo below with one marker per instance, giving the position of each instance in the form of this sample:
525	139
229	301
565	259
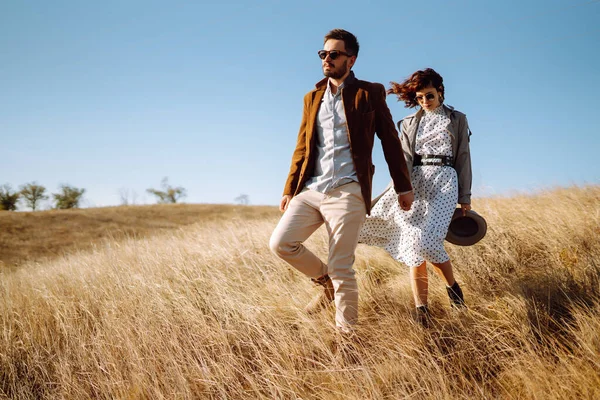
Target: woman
435	141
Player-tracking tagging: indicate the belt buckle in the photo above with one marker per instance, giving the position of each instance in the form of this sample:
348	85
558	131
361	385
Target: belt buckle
432	161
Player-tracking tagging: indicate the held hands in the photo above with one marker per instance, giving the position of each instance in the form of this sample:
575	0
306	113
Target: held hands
465	207
405	200
285	201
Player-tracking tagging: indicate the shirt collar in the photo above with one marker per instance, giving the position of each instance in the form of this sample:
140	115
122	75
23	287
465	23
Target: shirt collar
339	88
439	110
417	116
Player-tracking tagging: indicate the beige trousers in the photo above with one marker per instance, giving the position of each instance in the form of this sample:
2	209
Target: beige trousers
343	212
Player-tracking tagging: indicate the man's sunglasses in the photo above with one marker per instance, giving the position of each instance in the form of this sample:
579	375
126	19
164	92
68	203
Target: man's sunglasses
428	96
333	54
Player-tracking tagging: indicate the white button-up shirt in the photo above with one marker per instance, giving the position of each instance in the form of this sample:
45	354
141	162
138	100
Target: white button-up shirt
334	166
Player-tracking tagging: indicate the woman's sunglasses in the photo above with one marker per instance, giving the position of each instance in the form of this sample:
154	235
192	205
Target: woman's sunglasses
333	54
428	96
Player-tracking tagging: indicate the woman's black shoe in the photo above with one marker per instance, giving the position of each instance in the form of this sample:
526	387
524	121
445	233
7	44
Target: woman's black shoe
423	316
456	296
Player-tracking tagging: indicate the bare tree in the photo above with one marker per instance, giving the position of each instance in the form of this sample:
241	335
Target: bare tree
127	196
242	199
32	194
168	194
69	197
8	198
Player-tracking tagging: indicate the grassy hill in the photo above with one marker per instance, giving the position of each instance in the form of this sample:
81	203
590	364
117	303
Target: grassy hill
29	236
196	306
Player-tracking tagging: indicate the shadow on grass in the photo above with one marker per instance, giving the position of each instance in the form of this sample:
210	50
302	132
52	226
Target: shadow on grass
552	298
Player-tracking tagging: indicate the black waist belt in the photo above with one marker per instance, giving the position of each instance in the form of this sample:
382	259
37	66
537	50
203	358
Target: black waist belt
430	159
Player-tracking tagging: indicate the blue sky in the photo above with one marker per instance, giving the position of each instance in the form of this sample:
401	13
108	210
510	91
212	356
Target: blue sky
116	95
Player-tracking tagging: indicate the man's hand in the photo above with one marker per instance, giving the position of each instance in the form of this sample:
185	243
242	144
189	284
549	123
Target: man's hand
405	200
285	201
465	207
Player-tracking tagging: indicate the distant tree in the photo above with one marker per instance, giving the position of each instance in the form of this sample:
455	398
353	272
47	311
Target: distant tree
168	194
8	198
127	196
69	197
32	194
242	199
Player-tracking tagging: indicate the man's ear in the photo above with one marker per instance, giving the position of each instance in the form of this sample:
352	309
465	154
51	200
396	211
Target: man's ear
352	61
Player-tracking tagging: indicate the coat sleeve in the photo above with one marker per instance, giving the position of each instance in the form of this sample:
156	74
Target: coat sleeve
299	154
390	142
463	162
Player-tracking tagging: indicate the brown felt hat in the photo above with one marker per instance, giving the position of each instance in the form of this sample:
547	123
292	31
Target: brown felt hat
466	230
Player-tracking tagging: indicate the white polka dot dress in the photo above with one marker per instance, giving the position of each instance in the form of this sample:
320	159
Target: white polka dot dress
418	234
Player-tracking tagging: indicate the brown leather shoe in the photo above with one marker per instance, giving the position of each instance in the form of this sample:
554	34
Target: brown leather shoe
324	298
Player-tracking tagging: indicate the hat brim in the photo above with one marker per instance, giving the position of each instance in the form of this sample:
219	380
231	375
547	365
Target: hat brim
466	230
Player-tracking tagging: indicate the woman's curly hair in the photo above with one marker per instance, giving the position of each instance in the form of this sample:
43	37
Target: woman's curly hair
422	79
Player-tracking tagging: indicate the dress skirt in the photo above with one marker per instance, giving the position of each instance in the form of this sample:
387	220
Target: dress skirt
417	235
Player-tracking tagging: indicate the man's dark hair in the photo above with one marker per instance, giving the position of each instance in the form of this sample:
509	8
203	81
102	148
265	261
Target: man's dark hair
349	39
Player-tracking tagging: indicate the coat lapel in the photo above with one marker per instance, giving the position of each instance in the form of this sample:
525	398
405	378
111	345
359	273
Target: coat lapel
453	128
312	116
412	133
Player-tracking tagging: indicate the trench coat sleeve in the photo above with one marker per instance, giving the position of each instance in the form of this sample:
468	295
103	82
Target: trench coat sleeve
298	156
392	149
463	162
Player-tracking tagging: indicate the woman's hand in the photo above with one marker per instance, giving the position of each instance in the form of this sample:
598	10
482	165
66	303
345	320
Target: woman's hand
285	200
465	207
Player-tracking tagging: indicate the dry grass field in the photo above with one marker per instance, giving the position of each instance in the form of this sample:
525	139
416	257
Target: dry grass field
41	235
172	303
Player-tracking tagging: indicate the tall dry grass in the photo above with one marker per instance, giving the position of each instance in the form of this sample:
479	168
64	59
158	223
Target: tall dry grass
207	312
32	236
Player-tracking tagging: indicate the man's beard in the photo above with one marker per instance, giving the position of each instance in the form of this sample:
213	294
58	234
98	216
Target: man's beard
339	73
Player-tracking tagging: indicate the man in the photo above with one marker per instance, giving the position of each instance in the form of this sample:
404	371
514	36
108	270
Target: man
331	174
